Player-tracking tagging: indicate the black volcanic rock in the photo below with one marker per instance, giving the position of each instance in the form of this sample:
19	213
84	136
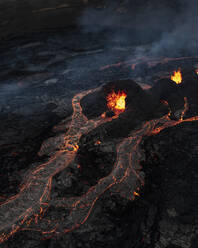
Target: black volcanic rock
189	87
137	99
164	216
94	104
140	106
172	173
190	83
188	74
167	90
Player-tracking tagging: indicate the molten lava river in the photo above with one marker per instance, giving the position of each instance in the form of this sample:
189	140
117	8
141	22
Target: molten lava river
27	209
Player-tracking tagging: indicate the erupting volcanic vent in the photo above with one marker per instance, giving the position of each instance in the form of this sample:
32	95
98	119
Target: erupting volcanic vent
177	76
148	113
116	102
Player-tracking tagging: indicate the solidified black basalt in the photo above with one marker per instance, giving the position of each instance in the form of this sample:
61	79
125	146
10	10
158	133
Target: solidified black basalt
38	96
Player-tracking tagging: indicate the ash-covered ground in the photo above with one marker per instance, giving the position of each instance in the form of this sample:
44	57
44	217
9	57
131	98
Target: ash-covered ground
39	76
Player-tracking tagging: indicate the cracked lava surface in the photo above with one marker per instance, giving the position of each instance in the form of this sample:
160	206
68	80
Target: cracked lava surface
26	210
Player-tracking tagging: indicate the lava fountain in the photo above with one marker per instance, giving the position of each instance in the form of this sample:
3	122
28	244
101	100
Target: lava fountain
177	77
116	102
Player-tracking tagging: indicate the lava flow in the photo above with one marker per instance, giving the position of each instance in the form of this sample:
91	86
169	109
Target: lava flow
28	209
116	102
177	77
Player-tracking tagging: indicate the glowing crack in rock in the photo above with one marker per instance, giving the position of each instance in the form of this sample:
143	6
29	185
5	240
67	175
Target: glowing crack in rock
27	209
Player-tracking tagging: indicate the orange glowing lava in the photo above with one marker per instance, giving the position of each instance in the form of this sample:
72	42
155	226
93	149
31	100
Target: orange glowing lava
116	102
136	193
28	209
177	77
